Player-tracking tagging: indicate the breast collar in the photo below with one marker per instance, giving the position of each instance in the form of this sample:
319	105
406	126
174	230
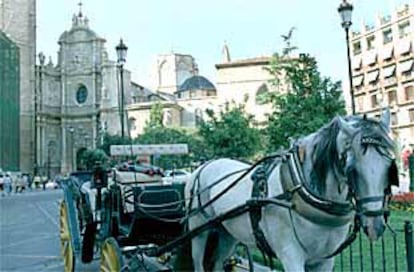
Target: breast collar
320	210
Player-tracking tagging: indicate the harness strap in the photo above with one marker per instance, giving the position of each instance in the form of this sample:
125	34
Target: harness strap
349	240
260	191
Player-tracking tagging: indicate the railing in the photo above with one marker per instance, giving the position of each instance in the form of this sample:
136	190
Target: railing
393	252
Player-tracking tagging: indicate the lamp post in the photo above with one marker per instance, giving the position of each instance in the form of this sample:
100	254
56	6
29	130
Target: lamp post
121	51
37	96
71	131
345	11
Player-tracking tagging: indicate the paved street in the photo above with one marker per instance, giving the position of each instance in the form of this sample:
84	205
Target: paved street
29	232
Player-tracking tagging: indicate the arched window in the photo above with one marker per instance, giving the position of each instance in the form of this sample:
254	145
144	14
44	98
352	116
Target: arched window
261	95
167	118
132	123
198	116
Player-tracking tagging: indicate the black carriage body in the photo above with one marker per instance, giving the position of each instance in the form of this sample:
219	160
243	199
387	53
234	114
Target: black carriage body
158	210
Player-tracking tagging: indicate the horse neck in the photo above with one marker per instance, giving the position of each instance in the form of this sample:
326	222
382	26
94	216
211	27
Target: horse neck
334	183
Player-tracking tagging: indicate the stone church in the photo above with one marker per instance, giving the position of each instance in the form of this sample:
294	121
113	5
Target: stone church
79	97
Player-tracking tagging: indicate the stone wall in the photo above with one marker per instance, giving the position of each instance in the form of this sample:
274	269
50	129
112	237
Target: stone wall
18	20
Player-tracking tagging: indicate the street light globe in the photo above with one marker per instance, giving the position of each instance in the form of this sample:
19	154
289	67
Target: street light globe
345	11
121	52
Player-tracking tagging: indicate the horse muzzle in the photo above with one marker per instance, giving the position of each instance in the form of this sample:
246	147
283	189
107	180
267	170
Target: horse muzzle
373	227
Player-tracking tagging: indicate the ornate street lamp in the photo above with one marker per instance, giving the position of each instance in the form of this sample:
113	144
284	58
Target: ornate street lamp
121	51
345	11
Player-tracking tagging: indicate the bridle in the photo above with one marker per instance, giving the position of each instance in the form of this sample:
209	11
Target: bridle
352	179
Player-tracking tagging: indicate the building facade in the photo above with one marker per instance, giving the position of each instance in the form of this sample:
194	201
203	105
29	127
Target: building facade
186	95
79	98
383	70
17	36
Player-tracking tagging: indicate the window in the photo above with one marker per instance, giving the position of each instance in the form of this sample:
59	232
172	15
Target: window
81	94
404	29
392	97
374	101
198	116
387	36
356	48
132	123
360	103
394	119
261	95
168	118
409	93
411	115
371	42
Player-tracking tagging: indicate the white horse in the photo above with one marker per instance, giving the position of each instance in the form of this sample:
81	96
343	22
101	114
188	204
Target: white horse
343	169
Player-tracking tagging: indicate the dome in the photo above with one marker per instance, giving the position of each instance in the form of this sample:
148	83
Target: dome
196	83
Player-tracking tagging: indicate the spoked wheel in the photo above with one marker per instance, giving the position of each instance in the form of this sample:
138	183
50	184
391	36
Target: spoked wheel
66	249
111	256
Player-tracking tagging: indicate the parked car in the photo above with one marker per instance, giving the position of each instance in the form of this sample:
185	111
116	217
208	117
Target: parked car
51	184
176	176
143	168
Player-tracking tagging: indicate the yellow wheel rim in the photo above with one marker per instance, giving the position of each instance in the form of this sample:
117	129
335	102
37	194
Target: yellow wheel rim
111	256
66	249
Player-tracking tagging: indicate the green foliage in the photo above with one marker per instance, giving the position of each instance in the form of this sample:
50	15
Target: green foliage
304	100
165	135
156	116
231	134
91	156
109	140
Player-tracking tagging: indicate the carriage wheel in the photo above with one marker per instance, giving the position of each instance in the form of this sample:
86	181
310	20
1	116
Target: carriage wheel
66	249
111	256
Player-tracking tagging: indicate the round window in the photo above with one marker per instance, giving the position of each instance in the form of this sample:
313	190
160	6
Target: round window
81	94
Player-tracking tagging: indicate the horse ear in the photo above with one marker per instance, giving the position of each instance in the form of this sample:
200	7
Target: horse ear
345	127
386	118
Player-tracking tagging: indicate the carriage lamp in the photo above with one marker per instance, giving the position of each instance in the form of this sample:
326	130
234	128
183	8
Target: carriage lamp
121	51
345	11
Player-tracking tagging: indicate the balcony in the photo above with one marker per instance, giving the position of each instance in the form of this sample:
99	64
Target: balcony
404	11
390	81
68	110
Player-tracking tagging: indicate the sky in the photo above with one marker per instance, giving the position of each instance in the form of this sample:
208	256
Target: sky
200	28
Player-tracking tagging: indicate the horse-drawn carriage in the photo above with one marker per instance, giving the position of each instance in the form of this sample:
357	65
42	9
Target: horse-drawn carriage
116	213
298	204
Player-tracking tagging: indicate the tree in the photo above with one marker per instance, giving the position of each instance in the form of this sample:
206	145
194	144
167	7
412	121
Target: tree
304	100
91	156
156	116
109	140
165	135
231	134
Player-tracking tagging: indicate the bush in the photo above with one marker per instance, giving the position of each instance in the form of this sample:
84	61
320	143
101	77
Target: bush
403	202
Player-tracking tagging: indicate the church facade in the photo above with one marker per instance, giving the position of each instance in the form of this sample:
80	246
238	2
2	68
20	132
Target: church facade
79	98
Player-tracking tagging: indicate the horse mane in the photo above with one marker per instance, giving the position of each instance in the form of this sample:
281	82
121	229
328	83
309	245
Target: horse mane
325	155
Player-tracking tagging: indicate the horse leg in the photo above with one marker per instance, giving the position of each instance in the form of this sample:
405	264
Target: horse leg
323	265
198	246
225	247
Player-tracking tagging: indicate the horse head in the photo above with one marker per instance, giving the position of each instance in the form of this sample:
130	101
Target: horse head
366	157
